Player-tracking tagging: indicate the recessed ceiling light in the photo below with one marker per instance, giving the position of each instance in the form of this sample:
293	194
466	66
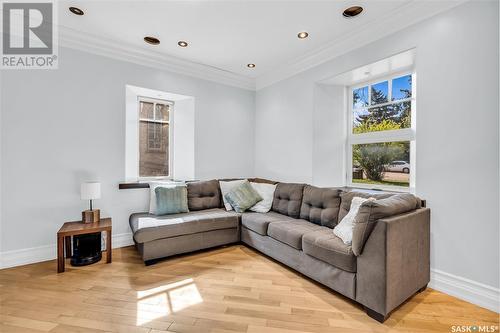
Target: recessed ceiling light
182	43
352	11
251	65
151	40
302	35
76	11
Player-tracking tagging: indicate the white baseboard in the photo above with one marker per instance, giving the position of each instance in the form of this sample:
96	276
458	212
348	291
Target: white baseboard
122	240
465	289
48	252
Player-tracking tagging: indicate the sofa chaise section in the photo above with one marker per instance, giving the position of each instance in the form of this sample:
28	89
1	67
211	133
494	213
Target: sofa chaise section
205	225
161	236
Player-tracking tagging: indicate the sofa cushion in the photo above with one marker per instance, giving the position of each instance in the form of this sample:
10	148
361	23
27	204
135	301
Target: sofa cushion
291	232
324	245
147	227
203	195
242	197
320	205
346	198
171	200
288	198
258	222
371	211
225	187
266	191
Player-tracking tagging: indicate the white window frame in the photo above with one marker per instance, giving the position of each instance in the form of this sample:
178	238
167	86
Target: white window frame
170	123
406	134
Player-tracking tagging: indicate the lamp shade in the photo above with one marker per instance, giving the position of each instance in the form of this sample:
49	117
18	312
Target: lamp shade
90	191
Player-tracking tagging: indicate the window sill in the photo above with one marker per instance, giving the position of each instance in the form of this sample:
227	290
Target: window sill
375	187
133	185
143	183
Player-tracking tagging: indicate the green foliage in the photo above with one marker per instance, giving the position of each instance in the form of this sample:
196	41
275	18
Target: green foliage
373	158
384	125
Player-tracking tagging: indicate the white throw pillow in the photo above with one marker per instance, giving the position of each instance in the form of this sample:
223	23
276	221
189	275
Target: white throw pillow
266	191
226	187
343	230
152	193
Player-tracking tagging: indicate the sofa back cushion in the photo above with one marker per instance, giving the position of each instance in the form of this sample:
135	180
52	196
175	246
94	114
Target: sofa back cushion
203	194
346	198
171	200
288	198
372	210
320	205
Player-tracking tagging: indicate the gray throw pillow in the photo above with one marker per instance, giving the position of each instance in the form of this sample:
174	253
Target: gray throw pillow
242	197
171	200
371	211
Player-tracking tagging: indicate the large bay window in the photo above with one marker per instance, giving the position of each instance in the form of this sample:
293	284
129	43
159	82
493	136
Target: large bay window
381	133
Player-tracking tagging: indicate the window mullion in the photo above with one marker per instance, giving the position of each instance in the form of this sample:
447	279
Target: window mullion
369	95
389	92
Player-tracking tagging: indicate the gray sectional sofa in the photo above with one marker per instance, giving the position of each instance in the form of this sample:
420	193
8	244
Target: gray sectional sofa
387	263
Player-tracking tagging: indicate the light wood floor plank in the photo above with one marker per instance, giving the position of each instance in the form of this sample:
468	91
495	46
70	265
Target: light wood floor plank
226	290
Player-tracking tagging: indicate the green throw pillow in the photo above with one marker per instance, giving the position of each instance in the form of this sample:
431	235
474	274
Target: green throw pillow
171	200
243	197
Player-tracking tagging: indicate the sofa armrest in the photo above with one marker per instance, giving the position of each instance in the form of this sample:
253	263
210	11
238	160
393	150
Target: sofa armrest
395	262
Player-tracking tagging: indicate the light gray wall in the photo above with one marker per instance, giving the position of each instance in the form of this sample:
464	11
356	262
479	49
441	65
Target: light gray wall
329	141
457	166
62	127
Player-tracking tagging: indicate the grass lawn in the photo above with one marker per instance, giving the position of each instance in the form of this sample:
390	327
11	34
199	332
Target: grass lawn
382	182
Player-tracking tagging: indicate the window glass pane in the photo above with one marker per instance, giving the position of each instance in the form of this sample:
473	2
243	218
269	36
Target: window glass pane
381	163
379	93
153	149
162	112
360	97
401	87
382	118
146	110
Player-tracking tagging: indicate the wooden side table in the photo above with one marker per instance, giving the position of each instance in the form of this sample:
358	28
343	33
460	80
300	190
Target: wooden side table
79	228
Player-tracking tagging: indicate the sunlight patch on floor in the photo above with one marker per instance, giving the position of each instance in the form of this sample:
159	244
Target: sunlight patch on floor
164	300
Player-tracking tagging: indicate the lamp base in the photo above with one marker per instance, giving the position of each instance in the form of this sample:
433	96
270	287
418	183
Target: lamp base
91	216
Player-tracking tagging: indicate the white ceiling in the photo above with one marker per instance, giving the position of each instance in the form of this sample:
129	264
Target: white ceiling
224	36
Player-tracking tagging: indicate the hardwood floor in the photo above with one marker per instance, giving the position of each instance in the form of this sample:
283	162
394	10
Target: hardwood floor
233	289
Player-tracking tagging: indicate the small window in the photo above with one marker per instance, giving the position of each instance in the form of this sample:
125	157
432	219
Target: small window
379	93
154	138
376	163
381	134
360	98
382	115
401	88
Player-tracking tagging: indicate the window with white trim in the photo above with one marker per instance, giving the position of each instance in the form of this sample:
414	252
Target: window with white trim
381	133
154	138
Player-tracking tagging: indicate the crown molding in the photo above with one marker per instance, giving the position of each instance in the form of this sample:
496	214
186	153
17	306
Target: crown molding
395	20
102	46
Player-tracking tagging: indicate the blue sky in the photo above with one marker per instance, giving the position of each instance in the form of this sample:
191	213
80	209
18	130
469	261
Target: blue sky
403	82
